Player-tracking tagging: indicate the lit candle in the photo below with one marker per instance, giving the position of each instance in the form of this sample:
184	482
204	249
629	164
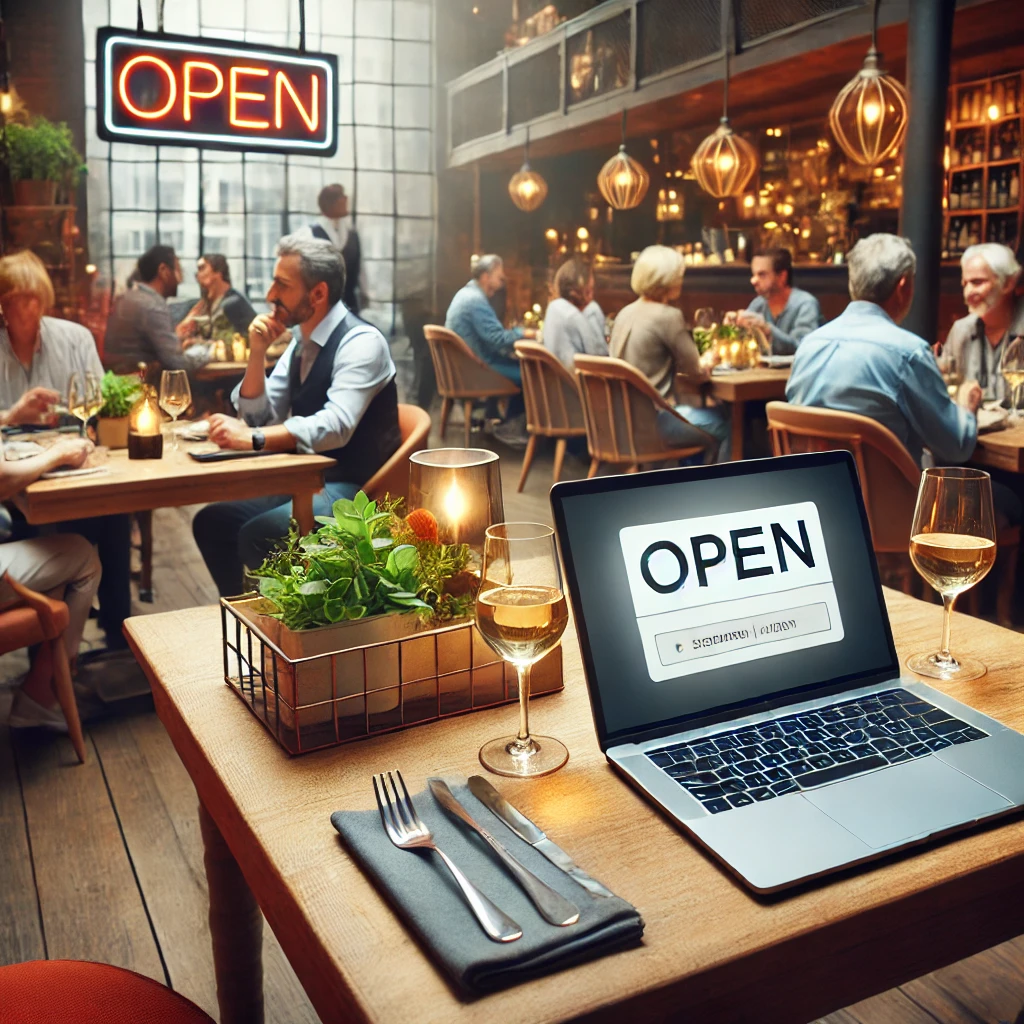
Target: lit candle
147	422
454	509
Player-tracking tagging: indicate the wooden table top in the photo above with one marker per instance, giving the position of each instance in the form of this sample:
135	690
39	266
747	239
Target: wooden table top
1001	449
711	950
759	384
221	371
135	485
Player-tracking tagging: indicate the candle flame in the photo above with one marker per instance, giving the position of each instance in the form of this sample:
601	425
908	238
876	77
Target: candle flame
146	423
454	504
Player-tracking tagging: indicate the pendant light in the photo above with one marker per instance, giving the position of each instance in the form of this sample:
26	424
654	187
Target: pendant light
724	162
869	116
527	188
623	181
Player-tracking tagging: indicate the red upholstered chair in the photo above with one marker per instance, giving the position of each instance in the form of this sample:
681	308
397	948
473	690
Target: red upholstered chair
88	993
37	619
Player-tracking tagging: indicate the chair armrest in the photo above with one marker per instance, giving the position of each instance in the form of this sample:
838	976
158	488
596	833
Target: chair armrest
39	603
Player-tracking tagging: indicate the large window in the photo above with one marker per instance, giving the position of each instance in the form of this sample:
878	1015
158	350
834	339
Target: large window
240	204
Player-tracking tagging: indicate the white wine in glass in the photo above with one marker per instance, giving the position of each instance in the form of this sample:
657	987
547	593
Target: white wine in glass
175	398
953	546
85	397
1011	366
521	613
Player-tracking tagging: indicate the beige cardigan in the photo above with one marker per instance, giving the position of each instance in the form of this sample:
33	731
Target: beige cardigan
653	337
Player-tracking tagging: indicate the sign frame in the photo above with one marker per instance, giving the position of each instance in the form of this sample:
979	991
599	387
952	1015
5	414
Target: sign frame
107	37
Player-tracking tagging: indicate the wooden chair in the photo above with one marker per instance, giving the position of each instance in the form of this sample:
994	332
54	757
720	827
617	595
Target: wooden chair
393	477
889	481
620	409
462	375
553	407
37	619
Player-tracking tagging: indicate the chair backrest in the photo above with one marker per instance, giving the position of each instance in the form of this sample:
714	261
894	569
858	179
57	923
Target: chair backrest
889	477
620	408
460	372
393	477
552	399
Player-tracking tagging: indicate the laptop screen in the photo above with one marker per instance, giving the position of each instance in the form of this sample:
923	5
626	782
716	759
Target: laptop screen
698	591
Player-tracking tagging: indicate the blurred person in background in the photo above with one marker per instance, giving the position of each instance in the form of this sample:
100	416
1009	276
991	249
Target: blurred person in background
650	334
335	226
989	274
222	311
568	330
38	354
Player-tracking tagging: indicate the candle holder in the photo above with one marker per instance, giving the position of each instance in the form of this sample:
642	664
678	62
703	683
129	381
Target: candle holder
145	441
461	488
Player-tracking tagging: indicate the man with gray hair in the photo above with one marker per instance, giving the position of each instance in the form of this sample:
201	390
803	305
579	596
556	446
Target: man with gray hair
862	362
975	343
332	392
473	319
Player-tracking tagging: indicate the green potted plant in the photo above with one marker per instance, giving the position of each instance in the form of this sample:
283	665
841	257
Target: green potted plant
119	395
42	159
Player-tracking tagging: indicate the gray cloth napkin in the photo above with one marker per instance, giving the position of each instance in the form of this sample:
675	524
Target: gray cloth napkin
423	892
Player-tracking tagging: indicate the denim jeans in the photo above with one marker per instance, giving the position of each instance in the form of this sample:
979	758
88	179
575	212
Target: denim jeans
238	535
714	421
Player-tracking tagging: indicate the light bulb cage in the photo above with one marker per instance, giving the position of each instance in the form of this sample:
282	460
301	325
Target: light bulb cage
623	181
864	140
724	162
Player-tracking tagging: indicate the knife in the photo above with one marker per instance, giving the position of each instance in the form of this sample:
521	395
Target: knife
553	906
528	831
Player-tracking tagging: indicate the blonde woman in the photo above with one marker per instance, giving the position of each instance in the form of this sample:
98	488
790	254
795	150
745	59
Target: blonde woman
651	335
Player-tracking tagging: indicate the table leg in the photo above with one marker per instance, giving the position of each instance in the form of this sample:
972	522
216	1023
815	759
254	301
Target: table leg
236	928
302	510
737	430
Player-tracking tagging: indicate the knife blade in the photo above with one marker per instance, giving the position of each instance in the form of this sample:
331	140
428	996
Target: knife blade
530	833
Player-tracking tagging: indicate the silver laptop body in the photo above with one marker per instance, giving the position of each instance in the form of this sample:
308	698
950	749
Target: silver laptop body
788	782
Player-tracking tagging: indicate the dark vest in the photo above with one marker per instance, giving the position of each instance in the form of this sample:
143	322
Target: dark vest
377	435
352	256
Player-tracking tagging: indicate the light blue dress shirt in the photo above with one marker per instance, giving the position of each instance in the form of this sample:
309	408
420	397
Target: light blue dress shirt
471	317
801	315
862	362
362	368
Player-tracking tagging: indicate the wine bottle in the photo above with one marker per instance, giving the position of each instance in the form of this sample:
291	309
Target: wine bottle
1003	195
1014	189
993	190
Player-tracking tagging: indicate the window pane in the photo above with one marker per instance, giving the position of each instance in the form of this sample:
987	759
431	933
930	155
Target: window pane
376	237
412	63
374	192
263	232
412	106
346	104
264	187
415	238
96	149
134	233
126	151
304	184
181	230
133	186
373	18
412	277
413	150
90	85
415	194
182	17
124	267
179	186
220	14
224	233
373	104
373	148
258	277
337	19
412	19
222	188
373	60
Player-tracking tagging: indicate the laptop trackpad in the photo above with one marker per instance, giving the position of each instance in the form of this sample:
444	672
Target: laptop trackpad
906	801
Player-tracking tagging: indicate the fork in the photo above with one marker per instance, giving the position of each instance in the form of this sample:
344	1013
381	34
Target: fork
407	831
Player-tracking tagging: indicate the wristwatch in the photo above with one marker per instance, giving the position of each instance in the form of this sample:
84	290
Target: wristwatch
259	441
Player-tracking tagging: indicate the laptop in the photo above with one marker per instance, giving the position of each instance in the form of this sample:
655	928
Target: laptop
742	672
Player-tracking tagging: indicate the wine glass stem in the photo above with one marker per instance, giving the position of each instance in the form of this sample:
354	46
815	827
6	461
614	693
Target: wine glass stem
522	740
947	615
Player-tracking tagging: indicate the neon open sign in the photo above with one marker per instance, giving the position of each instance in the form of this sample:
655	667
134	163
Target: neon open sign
175	91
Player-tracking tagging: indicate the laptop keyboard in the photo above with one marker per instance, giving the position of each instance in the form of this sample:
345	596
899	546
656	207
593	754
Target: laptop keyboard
814	748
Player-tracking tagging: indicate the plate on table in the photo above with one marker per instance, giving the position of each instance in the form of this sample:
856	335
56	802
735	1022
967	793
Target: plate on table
62	474
196	431
777	362
992	418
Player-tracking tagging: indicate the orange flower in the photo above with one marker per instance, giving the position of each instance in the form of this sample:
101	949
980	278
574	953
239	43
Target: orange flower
423	524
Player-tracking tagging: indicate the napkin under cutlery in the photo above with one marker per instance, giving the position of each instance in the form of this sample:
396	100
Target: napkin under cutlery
420	890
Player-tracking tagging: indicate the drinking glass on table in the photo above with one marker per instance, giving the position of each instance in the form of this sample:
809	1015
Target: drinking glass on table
953	546
952	373
175	398
85	397
1011	366
521	613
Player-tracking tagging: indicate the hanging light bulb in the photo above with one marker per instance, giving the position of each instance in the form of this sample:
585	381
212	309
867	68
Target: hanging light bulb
869	116
527	188
623	181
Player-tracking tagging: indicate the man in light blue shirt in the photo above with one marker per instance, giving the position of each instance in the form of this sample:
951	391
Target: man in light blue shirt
471	317
862	362
332	392
785	314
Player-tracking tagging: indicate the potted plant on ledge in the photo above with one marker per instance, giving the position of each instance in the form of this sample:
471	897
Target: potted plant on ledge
43	162
119	395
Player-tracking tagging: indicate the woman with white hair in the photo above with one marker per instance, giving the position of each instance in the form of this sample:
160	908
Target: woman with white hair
989	274
651	335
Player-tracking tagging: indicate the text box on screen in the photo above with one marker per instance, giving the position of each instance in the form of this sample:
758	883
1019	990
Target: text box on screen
719	590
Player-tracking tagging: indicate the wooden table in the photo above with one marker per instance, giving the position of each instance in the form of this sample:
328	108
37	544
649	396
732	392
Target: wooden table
761	384
711	951
137	485
1001	449
221	371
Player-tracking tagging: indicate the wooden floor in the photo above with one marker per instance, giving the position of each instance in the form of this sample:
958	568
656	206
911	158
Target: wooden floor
104	861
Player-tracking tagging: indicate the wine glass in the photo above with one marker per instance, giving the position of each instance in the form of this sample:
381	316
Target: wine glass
521	613
1011	366
175	398
952	373
85	397
953	546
